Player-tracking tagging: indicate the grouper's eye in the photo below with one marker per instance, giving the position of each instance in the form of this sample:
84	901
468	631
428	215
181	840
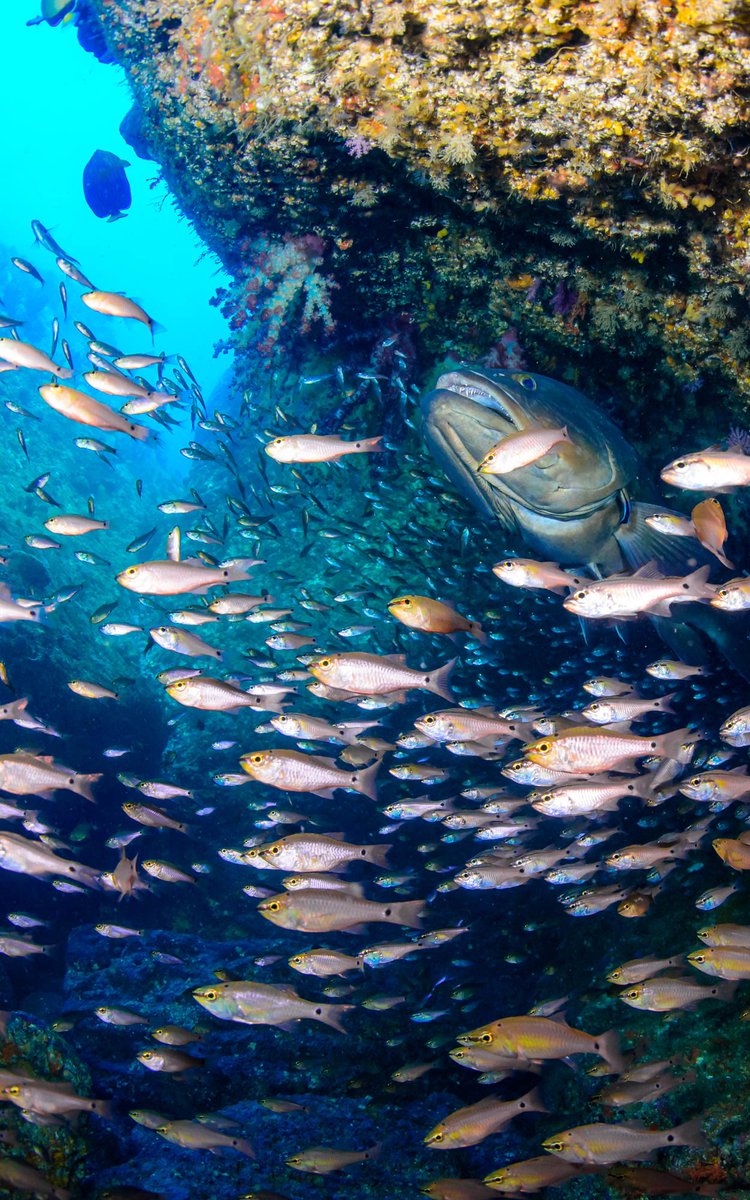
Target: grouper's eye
526	381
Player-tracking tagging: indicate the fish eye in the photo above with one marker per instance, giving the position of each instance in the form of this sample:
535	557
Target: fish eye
428	720
146	1055
526	381
436	1137
162	629
296	961
210	994
274	906
595	706
698	958
553	1145
179	685
544	746
723	592
323	662
277	441
679	465
257	758
130	571
274	850
13	1091
406	602
579	595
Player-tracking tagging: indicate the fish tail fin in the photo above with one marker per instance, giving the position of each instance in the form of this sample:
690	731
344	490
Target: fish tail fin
409	912
475	630
366	781
139	432
726	989
439	681
331	1014
372	1152
83	785
85	875
678	745
532	1101
236	575
371	445
244	1147
102	1108
608	1045
696	584
690	1134
664	702
378	855
64	373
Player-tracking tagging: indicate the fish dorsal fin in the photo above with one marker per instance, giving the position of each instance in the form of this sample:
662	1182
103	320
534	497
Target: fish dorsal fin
173	544
4	592
740	770
649	570
399	660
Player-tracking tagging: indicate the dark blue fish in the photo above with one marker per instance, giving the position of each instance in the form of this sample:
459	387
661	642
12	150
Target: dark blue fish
54	12
105	185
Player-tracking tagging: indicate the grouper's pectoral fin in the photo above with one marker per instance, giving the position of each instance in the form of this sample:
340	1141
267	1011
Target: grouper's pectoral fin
641	544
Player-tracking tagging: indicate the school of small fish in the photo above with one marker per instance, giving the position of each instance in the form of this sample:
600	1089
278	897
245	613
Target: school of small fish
525	796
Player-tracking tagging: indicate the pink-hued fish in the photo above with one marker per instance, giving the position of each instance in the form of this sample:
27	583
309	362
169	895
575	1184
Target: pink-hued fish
24	774
311	448
623	597
21	354
709	471
521	450
167	577
527	573
85	410
296	772
377	675
112	304
319	910
600	1143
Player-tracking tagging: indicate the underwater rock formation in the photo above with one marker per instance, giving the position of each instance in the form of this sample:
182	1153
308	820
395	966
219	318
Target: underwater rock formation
572	169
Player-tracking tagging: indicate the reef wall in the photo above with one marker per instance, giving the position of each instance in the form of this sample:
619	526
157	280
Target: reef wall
571	170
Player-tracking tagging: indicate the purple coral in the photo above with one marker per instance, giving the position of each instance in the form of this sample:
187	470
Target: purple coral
357	145
281	279
564	299
507	353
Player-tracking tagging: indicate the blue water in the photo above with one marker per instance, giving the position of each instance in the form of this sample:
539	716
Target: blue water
62	105
336	544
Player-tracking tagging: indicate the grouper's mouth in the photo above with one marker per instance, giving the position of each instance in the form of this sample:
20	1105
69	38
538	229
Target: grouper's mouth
454	382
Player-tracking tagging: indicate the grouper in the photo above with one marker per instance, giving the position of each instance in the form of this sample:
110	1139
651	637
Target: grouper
576	505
